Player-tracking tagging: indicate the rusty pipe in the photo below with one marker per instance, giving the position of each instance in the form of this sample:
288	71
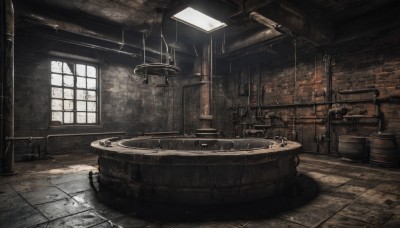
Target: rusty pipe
245	41
288	105
205	117
329	74
354	91
263	20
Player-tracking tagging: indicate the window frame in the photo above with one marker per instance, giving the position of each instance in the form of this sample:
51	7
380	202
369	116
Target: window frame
75	88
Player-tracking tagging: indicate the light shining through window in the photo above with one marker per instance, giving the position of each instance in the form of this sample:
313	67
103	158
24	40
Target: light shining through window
74	94
198	20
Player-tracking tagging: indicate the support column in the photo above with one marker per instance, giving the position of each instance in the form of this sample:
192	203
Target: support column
205	131
7	79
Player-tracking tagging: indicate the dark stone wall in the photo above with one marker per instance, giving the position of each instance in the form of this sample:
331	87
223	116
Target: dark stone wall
368	62
129	105
126	103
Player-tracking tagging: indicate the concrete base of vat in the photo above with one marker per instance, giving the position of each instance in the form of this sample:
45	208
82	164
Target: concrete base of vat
197	176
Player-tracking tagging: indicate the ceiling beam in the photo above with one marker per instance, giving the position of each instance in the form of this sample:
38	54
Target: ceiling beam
249	5
349	14
374	22
316	29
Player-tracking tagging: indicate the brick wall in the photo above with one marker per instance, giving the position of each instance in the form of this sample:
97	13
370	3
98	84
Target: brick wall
365	63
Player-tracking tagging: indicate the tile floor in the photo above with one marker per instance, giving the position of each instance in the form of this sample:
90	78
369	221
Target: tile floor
57	193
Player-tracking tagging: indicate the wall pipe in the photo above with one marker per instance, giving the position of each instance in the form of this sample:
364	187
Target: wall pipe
294	132
161	133
248	85
7	37
78	134
259	91
30	138
354	91
328	72
382	100
378	113
321	120
211	69
377	105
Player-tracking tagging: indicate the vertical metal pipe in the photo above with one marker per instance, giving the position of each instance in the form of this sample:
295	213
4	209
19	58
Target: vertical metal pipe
248	85
329	72
144	47
8	87
259	86
2	46
211	67
295	70
205	88
183	110
254	94
161	46
206	118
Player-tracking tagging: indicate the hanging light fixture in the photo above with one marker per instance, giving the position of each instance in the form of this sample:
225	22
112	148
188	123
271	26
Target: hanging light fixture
161	69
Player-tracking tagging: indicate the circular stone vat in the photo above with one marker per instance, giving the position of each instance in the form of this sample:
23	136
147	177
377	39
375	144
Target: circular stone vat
195	170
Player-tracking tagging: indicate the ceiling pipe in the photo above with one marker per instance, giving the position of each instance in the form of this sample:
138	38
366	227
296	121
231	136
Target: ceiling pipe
316	29
87	45
266	34
250	40
83	31
263	20
58	25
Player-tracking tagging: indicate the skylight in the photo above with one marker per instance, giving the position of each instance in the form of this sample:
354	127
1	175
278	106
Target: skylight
198	20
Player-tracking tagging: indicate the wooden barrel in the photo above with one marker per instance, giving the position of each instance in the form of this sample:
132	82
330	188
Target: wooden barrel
352	148
383	150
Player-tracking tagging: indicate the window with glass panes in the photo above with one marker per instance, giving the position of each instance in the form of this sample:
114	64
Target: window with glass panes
74	93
